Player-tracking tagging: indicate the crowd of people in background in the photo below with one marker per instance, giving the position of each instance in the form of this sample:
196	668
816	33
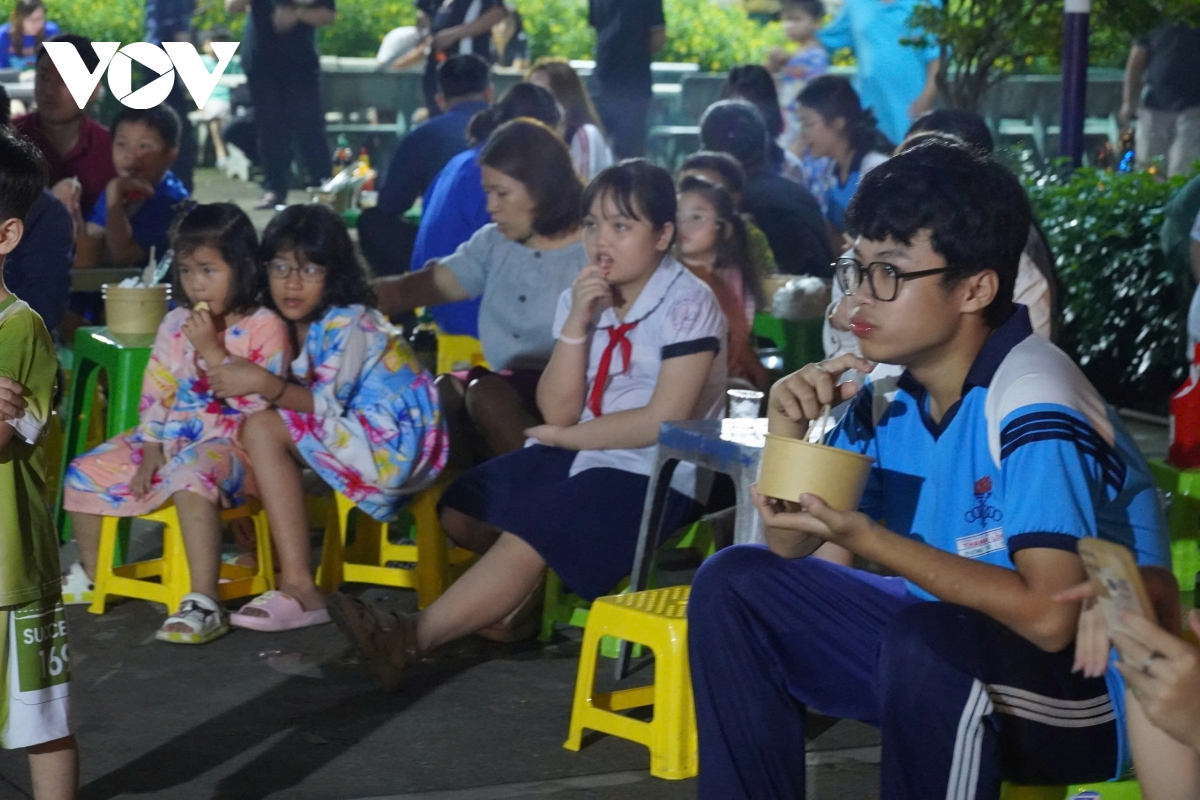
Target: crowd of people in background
610	296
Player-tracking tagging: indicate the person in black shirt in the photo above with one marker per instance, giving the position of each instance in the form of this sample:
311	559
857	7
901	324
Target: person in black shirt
457	27
385	237
283	70
784	209
628	34
1167	108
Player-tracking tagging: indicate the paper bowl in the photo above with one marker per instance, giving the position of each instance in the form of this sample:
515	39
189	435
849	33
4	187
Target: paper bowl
792	467
135	310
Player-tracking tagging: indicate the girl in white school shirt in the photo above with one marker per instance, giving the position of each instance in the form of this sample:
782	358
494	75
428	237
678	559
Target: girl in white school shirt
641	341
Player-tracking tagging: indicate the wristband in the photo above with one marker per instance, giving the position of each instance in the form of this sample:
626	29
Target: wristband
572	339
283	388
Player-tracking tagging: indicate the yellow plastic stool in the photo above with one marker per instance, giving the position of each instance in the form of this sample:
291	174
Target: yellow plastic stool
658	620
174	577
457	353
1115	790
365	560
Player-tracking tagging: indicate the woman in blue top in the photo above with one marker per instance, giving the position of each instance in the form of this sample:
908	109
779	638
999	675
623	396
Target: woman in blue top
24	33
455	205
835	125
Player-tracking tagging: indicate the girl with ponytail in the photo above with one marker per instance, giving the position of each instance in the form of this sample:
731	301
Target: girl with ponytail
834	124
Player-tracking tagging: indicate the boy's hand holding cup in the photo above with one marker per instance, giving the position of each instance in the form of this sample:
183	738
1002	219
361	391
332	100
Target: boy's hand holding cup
794	470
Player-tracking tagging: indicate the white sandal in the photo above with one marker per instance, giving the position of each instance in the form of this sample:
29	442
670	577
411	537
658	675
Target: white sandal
207	620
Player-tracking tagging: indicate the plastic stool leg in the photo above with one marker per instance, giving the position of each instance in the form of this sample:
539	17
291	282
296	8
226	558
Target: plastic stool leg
104	564
585	681
433	560
329	574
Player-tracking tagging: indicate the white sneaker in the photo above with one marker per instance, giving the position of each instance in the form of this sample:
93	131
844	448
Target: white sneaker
77	587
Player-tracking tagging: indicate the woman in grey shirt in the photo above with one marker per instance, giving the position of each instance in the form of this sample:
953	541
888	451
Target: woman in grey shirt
519	264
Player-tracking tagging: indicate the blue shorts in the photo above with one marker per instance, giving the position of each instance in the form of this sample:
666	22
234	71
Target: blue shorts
585	526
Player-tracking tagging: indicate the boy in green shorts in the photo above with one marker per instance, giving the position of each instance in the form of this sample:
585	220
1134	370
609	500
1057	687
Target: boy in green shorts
34	664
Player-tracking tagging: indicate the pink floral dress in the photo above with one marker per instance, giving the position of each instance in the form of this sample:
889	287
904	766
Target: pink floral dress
198	432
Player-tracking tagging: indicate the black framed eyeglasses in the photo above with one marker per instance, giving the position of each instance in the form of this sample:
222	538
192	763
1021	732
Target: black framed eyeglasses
883	277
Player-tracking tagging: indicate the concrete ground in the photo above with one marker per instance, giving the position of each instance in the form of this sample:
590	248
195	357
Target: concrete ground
293	716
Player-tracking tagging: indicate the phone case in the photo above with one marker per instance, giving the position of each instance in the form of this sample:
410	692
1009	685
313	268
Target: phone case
1114	576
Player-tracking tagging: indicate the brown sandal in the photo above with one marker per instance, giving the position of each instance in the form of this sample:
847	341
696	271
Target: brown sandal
387	642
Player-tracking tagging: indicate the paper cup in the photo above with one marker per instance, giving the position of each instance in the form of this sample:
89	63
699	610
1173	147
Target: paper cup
135	309
792	467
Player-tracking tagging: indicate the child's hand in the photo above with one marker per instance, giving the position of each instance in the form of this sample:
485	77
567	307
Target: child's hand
152	460
240	378
549	435
126	191
201	331
588	293
777	59
12	400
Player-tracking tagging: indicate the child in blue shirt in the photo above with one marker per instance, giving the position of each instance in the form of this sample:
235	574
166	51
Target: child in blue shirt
992	456
135	211
801	19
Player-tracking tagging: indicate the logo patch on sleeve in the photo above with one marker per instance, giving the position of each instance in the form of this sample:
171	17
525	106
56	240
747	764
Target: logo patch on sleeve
980	544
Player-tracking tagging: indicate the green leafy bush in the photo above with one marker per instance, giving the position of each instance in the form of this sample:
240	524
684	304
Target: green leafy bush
714	37
107	21
1124	302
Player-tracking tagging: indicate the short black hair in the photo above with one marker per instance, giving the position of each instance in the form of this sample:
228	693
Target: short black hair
5	107
462	75
22	175
82	43
530	152
640	190
974	209
725	165
225	228
317	235
752	82
967	126
814	7
522	100
735	127
161	118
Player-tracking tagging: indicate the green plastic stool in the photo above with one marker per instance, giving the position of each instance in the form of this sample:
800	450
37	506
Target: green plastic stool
800	342
1183	519
1115	790
125	359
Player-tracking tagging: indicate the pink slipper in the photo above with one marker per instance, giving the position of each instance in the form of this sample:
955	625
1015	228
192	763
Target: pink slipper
283	613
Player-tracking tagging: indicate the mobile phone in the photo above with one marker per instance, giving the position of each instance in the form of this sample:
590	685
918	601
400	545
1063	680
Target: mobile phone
1114	577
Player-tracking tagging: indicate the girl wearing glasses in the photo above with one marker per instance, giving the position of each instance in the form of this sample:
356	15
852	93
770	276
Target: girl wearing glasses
187	447
359	409
713	243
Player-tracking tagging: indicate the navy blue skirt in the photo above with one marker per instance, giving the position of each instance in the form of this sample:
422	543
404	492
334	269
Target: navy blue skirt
584	526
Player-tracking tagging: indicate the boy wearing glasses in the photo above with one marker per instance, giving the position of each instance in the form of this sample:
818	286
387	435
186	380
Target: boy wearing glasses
993	455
